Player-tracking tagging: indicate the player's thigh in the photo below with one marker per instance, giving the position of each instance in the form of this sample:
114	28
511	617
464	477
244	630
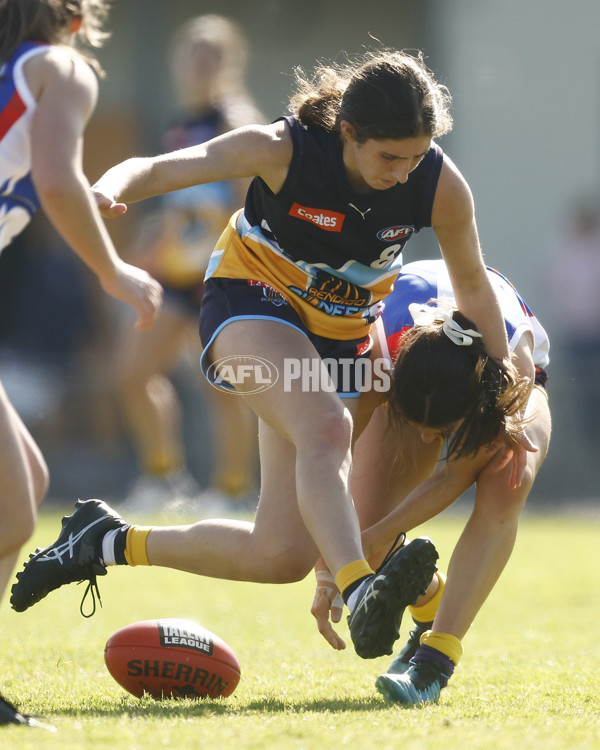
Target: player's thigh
540	425
389	462
538	429
306	415
23	471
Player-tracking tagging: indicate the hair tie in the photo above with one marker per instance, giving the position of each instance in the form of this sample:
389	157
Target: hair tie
425	315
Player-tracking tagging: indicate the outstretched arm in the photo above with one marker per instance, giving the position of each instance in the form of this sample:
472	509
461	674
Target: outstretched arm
258	150
425	502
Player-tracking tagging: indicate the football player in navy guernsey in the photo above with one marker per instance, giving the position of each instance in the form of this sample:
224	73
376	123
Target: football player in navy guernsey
48	92
445	390
298	278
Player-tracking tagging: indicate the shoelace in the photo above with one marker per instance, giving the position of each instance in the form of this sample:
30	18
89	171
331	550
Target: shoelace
426	672
93	590
393	549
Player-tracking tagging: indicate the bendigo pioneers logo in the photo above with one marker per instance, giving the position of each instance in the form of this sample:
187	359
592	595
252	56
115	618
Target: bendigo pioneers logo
333	295
330	221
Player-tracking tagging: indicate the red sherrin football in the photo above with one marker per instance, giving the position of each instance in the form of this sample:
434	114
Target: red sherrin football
171	658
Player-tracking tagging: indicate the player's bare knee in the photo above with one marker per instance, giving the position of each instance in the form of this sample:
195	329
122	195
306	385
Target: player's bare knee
293	571
41	482
289	565
332	435
501	507
20	525
26	530
127	383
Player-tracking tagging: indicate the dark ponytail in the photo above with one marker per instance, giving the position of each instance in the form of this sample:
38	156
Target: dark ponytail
385	94
437	383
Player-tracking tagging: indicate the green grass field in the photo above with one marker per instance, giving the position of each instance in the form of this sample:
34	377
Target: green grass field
529	678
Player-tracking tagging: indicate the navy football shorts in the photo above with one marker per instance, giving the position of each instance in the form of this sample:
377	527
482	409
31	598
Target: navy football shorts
541	377
186	300
227	300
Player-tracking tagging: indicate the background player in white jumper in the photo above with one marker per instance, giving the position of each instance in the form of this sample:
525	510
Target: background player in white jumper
47	94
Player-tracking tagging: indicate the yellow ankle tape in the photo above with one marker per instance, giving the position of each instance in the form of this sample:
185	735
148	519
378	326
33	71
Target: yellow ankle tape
428	611
448	644
352	572
135	545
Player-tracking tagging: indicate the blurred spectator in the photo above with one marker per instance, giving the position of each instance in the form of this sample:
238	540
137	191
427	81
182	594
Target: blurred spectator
207	65
574	281
44	294
54	335
46	317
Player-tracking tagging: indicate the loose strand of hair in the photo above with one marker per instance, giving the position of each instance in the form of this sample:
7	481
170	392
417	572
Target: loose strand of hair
27	20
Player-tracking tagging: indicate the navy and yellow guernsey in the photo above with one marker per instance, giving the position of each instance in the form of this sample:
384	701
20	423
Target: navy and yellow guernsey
332	252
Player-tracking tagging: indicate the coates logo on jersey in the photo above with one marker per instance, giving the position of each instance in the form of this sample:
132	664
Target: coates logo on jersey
393	234
330	221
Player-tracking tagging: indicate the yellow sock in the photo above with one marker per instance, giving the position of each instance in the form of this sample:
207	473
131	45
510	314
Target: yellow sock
449	645
352	572
232	484
428	611
135	545
162	466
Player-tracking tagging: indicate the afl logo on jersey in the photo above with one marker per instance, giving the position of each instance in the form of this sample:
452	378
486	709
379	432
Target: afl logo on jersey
393	234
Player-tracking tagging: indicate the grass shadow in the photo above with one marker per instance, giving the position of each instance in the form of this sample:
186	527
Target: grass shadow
151	709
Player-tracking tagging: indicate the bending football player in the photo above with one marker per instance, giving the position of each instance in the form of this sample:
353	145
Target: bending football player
446	391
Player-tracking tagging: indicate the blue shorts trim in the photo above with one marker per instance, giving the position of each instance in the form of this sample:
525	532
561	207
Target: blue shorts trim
204	360
229	300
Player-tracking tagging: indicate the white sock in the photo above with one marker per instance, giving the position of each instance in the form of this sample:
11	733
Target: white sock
108	547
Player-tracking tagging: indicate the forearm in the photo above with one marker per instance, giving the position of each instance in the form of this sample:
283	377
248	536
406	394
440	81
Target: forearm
140	177
244	153
425	502
480	304
453	219
130	181
70	206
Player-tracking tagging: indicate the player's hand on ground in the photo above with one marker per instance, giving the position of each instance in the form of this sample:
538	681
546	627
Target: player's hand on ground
136	287
327	607
107	205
